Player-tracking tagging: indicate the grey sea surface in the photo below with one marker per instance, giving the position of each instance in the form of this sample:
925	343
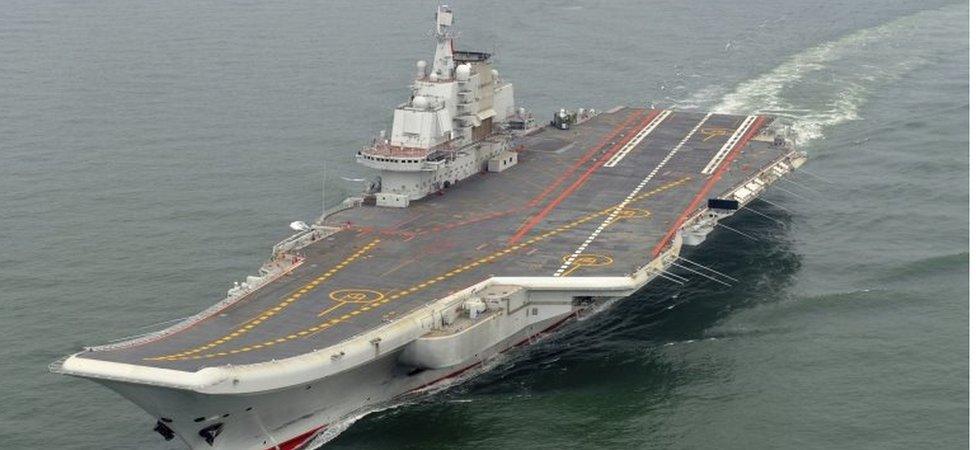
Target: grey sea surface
151	152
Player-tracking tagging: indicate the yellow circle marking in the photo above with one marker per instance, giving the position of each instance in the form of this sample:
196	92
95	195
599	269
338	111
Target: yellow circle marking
586	260
631	213
590	259
356	295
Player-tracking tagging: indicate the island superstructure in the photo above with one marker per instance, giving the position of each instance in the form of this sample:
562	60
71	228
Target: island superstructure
483	233
446	131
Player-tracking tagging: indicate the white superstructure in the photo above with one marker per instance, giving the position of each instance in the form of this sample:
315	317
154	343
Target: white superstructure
446	131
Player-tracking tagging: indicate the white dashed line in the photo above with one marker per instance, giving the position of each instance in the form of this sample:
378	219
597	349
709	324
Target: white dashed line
616	210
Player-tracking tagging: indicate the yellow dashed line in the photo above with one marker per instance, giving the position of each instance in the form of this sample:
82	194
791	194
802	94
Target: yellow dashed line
267	314
439	278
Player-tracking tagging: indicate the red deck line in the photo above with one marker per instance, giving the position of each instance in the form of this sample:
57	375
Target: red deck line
534	220
583	159
708	186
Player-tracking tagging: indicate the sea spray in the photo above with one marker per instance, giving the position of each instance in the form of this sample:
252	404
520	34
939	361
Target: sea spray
826	85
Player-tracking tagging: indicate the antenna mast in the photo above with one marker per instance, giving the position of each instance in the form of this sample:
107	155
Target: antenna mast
325	173
444	54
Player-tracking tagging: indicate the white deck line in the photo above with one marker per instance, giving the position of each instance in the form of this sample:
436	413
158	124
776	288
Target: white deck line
630	197
729	144
622	153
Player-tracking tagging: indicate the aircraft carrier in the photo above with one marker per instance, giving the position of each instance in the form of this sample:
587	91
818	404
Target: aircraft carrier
482	231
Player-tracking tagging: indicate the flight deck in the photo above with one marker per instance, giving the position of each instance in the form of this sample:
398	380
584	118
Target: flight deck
600	199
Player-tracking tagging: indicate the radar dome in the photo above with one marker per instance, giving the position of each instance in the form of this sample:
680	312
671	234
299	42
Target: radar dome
421	102
463	72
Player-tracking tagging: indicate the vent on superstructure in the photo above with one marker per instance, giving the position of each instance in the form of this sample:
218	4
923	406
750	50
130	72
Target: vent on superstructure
462	57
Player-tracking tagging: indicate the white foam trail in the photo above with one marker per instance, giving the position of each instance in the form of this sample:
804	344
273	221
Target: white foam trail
599	309
335	429
826	85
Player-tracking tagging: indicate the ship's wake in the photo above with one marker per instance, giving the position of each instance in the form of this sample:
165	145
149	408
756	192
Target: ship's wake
827	85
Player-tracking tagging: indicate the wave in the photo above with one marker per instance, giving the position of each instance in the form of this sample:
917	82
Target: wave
337	428
334	430
912	272
826	85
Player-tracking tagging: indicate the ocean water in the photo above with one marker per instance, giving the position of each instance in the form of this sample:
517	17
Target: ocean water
152	152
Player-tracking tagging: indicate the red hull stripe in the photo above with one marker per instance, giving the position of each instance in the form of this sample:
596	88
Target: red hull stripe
297	442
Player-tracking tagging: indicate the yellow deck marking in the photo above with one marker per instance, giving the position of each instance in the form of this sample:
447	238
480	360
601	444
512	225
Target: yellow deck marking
268	313
491	258
631	213
587	260
355	295
331	308
713	132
